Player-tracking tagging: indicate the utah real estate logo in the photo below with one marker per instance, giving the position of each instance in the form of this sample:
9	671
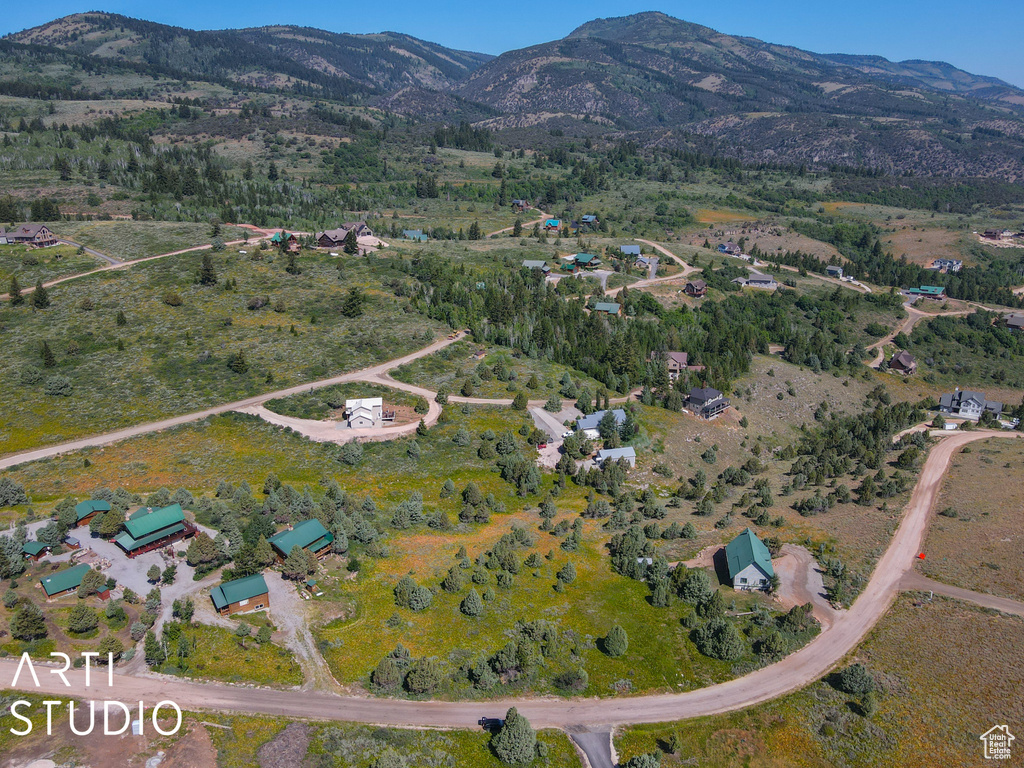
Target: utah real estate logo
997	742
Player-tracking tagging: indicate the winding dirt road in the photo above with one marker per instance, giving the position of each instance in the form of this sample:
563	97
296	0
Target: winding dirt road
370	374
790	674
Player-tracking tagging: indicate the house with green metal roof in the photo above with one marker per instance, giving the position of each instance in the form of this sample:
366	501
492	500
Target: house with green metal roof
750	562
87	510
65	581
586	260
241	595
153	528
33	550
928	291
608	307
309	534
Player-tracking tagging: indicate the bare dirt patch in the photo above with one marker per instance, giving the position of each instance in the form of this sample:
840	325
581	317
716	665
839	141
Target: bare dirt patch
923	245
288	749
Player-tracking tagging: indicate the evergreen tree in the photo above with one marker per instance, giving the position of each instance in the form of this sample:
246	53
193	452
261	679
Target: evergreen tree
154	653
351	242
207	274
14	292
28	623
515	743
352	306
472	605
616	643
82	619
49	361
40	298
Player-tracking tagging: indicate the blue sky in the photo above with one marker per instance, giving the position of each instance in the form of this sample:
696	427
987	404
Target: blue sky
974	36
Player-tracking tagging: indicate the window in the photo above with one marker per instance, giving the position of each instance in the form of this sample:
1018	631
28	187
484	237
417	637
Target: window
258	607
743	580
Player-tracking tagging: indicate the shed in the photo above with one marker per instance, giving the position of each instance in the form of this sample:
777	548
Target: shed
309	534
750	562
241	595
65	581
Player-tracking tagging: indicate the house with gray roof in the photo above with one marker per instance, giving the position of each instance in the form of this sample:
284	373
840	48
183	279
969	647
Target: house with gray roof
706	402
965	404
614	454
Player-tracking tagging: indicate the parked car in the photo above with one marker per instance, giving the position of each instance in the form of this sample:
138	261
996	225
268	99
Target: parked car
542	445
566	434
490	723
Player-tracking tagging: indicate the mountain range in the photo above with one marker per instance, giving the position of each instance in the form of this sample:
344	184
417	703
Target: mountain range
648	77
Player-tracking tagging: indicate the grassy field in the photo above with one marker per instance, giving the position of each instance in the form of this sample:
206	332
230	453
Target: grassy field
955	647
32	264
127	240
975	539
218	654
451	367
158	360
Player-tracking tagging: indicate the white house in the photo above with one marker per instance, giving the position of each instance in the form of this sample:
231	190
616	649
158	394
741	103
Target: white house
750	562
364	412
614	454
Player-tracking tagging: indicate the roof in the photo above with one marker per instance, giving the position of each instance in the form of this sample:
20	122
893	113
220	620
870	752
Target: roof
85	508
633	250
366	402
682	358
746	549
27	230
607	306
34	547
281	236
699	285
553	223
236	590
903	358
703	394
128	542
305	534
412	233
591	420
64	580
616	453
334	234
142	525
532	264
928	290
588	218
585	258
1015	321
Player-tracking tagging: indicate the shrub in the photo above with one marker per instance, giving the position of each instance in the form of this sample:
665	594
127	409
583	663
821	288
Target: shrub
58	386
172	299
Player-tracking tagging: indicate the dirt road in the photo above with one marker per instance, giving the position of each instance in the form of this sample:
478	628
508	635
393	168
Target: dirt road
366	374
914	581
525	225
791	673
914	316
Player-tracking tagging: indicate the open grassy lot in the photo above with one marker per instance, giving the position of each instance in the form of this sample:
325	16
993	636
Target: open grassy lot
452	366
127	240
660	656
976	540
32	264
918	655
218	654
157	358
342	745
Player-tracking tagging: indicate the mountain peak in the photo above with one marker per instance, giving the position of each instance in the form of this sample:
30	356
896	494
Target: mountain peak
646	27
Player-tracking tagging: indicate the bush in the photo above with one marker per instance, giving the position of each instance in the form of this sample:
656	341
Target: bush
855	680
58	386
617	642
515	743
172	299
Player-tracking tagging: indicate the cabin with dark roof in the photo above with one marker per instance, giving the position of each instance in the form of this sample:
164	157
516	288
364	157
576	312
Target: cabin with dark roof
37	235
903	362
706	402
696	289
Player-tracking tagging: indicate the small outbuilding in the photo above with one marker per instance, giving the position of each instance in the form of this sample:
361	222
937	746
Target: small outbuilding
750	562
35	550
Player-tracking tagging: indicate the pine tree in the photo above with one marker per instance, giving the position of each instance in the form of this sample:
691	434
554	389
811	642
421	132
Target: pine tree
28	623
616	643
14	292
472	605
516	742
40	298
49	361
152	650
351	242
353	303
207	274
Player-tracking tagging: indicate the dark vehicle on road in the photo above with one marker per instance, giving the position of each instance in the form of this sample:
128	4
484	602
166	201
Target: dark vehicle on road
491	723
